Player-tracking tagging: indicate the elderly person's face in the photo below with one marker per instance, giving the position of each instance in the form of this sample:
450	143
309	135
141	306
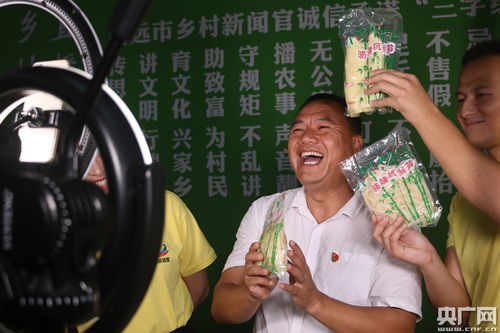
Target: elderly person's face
320	138
97	174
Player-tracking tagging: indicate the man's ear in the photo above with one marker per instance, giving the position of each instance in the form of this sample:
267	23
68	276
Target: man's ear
357	143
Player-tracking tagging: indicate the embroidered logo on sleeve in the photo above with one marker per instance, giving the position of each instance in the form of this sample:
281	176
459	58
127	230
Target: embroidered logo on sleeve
163	252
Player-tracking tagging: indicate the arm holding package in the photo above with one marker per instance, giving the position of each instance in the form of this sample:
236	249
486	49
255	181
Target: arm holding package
244	284
393	181
476	175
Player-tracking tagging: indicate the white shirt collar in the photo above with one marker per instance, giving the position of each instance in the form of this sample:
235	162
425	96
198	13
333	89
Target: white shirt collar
350	209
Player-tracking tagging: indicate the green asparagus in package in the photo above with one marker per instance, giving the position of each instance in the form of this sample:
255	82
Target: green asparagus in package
273	242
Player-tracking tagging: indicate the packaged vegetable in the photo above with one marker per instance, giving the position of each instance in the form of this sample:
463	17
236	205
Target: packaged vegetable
393	181
273	243
371	39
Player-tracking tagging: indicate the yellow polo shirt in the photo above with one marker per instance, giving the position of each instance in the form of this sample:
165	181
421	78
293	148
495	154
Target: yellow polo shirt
477	242
184	251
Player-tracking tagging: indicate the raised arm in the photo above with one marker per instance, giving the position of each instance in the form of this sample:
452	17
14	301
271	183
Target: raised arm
475	174
338	316
444	282
241	290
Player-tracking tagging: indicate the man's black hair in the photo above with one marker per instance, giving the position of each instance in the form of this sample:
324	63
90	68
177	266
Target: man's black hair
354	122
481	50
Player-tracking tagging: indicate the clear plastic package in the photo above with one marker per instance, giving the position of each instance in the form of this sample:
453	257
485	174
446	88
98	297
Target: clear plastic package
371	39
273	242
393	181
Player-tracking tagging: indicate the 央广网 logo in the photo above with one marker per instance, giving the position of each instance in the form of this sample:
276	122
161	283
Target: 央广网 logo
452	316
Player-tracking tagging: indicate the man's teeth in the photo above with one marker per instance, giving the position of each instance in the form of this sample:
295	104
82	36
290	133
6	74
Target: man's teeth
311	154
311	157
103	183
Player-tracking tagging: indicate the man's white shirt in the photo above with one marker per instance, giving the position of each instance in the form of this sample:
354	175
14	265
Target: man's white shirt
347	264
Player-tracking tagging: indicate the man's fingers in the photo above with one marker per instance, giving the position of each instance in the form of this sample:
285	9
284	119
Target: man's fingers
254	247
254	270
295	273
296	254
400	229
392	235
286	287
387	75
253	255
386	101
387	233
260	282
379	224
392	83
388	71
388	87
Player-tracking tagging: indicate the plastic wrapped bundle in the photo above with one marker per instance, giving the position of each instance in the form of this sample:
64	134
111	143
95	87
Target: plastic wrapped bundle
393	181
273	242
371	40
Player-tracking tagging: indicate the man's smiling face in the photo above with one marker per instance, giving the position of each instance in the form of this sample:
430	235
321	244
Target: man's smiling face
479	103
320	138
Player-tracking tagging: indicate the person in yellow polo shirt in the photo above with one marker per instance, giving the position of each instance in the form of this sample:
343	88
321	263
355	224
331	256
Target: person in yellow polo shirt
180	281
467	284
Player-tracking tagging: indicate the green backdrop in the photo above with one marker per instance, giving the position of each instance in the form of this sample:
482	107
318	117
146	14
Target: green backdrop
214	84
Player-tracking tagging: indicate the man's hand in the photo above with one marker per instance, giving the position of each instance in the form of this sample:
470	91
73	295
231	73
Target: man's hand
256	277
402	242
241	289
405	93
301	287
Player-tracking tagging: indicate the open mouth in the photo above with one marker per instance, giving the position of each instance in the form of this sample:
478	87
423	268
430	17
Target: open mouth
471	123
102	183
311	157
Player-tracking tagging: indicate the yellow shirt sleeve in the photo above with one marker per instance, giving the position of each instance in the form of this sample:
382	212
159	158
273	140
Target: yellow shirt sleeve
451	219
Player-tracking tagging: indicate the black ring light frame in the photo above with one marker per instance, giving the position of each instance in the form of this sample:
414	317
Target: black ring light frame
85	38
135	187
136	190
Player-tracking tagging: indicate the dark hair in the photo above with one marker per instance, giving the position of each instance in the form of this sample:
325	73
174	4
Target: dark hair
481	50
354	122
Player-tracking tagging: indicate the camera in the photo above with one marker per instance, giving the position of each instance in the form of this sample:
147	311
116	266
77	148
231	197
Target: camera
62	240
53	228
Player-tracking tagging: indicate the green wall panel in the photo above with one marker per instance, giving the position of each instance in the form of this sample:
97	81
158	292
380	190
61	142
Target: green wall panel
216	117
